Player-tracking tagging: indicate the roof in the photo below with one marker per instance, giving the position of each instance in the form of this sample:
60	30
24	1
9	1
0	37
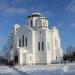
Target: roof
35	15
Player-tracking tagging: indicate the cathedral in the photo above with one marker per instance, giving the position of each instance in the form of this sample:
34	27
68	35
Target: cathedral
35	43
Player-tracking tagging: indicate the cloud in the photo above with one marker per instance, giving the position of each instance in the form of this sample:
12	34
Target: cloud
16	11
73	25
71	6
10	11
12	7
8	8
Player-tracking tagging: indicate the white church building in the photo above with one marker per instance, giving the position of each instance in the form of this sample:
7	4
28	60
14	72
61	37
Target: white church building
35	43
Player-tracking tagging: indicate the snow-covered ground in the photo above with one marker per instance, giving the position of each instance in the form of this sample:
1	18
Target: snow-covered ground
53	69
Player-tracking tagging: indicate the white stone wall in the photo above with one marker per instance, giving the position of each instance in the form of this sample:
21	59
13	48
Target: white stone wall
40	55
56	45
27	34
48	46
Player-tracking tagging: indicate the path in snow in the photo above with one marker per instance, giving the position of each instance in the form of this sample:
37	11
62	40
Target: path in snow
56	69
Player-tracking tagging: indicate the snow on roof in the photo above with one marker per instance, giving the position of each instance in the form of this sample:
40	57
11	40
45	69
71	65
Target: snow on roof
16	25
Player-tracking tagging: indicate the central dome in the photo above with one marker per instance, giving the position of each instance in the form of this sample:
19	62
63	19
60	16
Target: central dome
36	14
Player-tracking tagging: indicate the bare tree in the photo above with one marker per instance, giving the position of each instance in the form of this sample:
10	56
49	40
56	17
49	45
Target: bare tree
70	53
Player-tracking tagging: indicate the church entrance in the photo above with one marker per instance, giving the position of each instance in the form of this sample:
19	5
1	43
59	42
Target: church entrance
16	59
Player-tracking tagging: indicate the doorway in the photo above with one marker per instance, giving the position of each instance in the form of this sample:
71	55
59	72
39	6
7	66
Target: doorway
16	59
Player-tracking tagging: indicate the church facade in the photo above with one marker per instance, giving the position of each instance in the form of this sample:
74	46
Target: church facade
35	43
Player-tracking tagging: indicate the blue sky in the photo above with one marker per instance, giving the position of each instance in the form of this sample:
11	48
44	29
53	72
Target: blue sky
60	13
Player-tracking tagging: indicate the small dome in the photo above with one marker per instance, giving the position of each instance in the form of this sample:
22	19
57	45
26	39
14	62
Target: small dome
35	15
16	25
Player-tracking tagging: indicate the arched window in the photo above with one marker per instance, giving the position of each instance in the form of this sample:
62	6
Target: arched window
26	41
31	23
44	24
22	40
11	47
42	45
19	42
56	57
38	45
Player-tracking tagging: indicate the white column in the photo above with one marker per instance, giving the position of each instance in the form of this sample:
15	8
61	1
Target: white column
20	57
33	45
